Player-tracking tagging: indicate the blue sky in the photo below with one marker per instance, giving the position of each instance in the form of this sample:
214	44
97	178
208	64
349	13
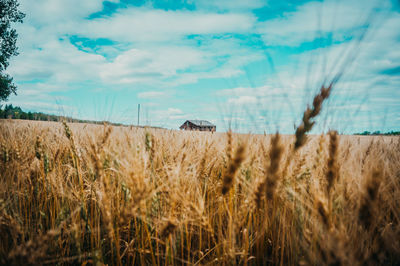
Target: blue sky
254	65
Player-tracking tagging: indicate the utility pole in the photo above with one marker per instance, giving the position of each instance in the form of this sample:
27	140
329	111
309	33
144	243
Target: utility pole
138	113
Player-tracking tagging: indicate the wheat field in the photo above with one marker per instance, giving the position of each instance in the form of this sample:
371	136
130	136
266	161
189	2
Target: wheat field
97	194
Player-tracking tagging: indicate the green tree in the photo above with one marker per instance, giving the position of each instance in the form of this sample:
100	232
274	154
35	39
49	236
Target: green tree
9	13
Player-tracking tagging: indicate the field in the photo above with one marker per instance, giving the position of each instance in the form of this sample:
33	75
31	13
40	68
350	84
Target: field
97	194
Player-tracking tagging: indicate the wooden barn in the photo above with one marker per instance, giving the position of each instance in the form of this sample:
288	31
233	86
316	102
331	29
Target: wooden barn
200	125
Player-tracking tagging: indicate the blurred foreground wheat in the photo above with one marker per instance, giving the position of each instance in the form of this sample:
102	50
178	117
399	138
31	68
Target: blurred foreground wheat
91	194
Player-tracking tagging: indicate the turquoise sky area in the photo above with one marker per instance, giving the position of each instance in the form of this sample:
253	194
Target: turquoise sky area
253	65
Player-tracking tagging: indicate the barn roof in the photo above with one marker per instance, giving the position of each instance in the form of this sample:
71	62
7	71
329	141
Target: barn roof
201	123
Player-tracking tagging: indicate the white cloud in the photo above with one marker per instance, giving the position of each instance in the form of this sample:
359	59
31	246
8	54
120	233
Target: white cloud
152	25
142	65
151	45
362	64
311	19
45	12
262	91
238	5
242	100
151	94
174	111
57	61
169	65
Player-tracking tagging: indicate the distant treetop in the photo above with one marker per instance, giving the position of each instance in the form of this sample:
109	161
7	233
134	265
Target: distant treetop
9	13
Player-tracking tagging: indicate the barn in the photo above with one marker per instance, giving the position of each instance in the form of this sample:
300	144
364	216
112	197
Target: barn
200	125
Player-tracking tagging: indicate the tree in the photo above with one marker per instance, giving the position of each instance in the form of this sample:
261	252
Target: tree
9	13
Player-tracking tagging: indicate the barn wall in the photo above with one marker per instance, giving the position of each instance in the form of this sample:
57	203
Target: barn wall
190	126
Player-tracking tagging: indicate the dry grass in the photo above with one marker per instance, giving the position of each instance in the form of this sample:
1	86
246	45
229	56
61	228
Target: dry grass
76	193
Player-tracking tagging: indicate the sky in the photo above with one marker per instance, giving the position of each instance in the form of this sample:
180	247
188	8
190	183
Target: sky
250	65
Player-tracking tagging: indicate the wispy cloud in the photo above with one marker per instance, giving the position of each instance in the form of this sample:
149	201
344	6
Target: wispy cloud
151	94
153	25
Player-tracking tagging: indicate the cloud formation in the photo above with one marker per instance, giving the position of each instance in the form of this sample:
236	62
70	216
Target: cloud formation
206	51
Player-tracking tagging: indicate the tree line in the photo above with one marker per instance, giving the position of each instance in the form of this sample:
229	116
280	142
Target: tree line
378	133
9	14
14	112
